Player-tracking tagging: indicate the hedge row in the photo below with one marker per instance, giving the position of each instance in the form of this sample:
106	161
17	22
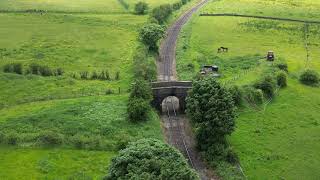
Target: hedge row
34	68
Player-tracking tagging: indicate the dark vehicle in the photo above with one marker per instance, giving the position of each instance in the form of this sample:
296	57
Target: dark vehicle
270	56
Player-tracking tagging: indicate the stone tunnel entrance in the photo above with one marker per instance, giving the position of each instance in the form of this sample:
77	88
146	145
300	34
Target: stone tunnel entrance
171	104
178	89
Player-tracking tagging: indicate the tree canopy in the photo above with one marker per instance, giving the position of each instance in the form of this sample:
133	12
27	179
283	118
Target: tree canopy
150	159
150	34
211	108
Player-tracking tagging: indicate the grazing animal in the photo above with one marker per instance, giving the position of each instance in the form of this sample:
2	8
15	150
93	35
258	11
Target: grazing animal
223	49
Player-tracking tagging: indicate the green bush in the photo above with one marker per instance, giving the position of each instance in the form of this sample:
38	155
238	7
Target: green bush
138	109
94	75
283	66
150	159
236	94
144	67
267	84
50	138
140	89
252	95
12	138
45	71
150	34
184	1
13	68
84	75
309	77
176	5
117	76
281	79
162	13
141	8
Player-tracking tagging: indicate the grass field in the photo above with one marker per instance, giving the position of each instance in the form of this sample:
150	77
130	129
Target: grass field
24	163
76	36
281	142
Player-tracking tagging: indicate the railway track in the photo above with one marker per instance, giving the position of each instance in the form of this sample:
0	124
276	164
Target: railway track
176	136
166	64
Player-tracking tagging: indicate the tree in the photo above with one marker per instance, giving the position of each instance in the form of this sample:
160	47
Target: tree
150	159
138	109
162	13
141	89
141	8
211	108
150	35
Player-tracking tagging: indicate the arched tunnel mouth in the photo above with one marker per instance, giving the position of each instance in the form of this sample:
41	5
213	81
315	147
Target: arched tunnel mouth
170	104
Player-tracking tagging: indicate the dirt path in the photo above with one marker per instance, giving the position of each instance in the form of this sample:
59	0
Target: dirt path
166	64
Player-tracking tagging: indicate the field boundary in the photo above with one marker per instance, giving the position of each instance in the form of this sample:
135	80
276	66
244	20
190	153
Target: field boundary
262	17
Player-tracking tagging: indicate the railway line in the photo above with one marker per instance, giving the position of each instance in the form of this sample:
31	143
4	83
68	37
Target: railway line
176	136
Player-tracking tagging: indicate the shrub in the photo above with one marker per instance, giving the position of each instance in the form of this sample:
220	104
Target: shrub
211	108
150	159
59	72
283	66
184	1
162	13
176	5
141	8
282	79
252	95
50	138
102	75
140	89
232	157
94	75
309	77
267	84
84	75
150	34
117	76
144	68
34	68
12	138
109	91
45	71
13	68
236	94
138	109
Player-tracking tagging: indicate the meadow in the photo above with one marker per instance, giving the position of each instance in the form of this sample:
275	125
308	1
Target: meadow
280	141
66	126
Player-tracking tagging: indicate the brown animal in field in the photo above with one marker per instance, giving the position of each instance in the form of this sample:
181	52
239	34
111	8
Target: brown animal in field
223	49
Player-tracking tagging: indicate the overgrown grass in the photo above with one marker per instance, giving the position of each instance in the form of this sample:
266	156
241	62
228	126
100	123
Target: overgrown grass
27	163
279	141
98	123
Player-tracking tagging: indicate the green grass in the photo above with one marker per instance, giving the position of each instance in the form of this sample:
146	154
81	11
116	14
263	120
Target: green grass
76	36
26	163
300	9
84	6
282	141
102	119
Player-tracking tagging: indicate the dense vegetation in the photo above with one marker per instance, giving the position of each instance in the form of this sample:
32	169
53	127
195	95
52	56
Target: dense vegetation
150	159
212	111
